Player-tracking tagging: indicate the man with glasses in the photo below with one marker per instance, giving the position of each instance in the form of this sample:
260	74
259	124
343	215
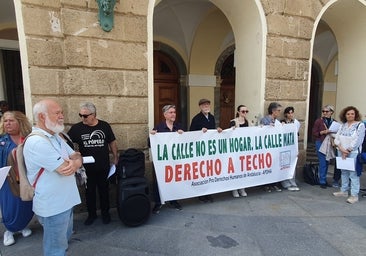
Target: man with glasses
95	138
320	131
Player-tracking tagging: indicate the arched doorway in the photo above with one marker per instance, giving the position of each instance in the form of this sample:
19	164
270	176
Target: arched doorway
166	84
316	96
227	92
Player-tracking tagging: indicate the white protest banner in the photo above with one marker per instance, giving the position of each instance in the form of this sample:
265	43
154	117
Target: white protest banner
196	163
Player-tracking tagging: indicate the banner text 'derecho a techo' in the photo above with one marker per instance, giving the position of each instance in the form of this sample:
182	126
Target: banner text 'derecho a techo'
196	163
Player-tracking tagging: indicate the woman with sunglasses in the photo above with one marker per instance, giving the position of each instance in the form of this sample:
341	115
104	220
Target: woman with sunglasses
240	121
320	131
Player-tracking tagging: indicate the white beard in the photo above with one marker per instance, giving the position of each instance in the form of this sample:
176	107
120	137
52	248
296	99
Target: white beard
55	127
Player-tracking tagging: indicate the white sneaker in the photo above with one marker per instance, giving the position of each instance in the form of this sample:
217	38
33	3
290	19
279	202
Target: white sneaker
293	188
235	193
352	199
340	193
26	232
242	192
8	238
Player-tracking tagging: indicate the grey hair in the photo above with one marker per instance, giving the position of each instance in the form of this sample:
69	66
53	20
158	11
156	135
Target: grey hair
273	106
90	106
329	107
167	107
40	107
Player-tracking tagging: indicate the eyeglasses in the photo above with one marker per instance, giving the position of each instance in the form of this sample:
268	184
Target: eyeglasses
85	116
325	111
244	111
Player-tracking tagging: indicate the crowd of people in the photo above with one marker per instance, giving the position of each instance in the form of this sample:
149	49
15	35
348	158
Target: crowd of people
51	162
340	140
61	156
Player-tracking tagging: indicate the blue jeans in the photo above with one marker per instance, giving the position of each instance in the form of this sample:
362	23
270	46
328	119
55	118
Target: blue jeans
347	175
355	182
57	231
323	164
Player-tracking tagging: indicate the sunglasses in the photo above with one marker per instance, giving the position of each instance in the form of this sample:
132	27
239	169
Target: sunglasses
244	111
325	111
85	116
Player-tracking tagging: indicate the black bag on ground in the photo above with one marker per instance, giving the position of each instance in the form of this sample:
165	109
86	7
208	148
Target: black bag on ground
131	163
311	175
133	203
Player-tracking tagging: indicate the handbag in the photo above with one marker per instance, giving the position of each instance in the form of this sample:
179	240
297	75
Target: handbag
361	157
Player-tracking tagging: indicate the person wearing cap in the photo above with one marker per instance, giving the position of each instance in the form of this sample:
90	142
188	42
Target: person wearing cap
168	125
320	131
204	121
288	113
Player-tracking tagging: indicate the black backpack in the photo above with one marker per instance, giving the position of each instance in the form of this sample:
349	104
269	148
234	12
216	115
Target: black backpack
131	163
311	175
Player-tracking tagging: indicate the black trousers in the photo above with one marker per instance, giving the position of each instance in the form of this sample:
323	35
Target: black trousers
156	194
97	180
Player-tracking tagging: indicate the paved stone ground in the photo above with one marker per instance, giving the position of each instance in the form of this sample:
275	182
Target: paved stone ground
308	222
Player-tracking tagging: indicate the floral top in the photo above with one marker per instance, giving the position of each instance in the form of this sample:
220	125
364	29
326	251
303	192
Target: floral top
355	132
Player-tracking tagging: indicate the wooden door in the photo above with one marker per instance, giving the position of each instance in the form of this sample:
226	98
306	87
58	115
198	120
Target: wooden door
13	80
227	107
315	100
166	85
227	92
